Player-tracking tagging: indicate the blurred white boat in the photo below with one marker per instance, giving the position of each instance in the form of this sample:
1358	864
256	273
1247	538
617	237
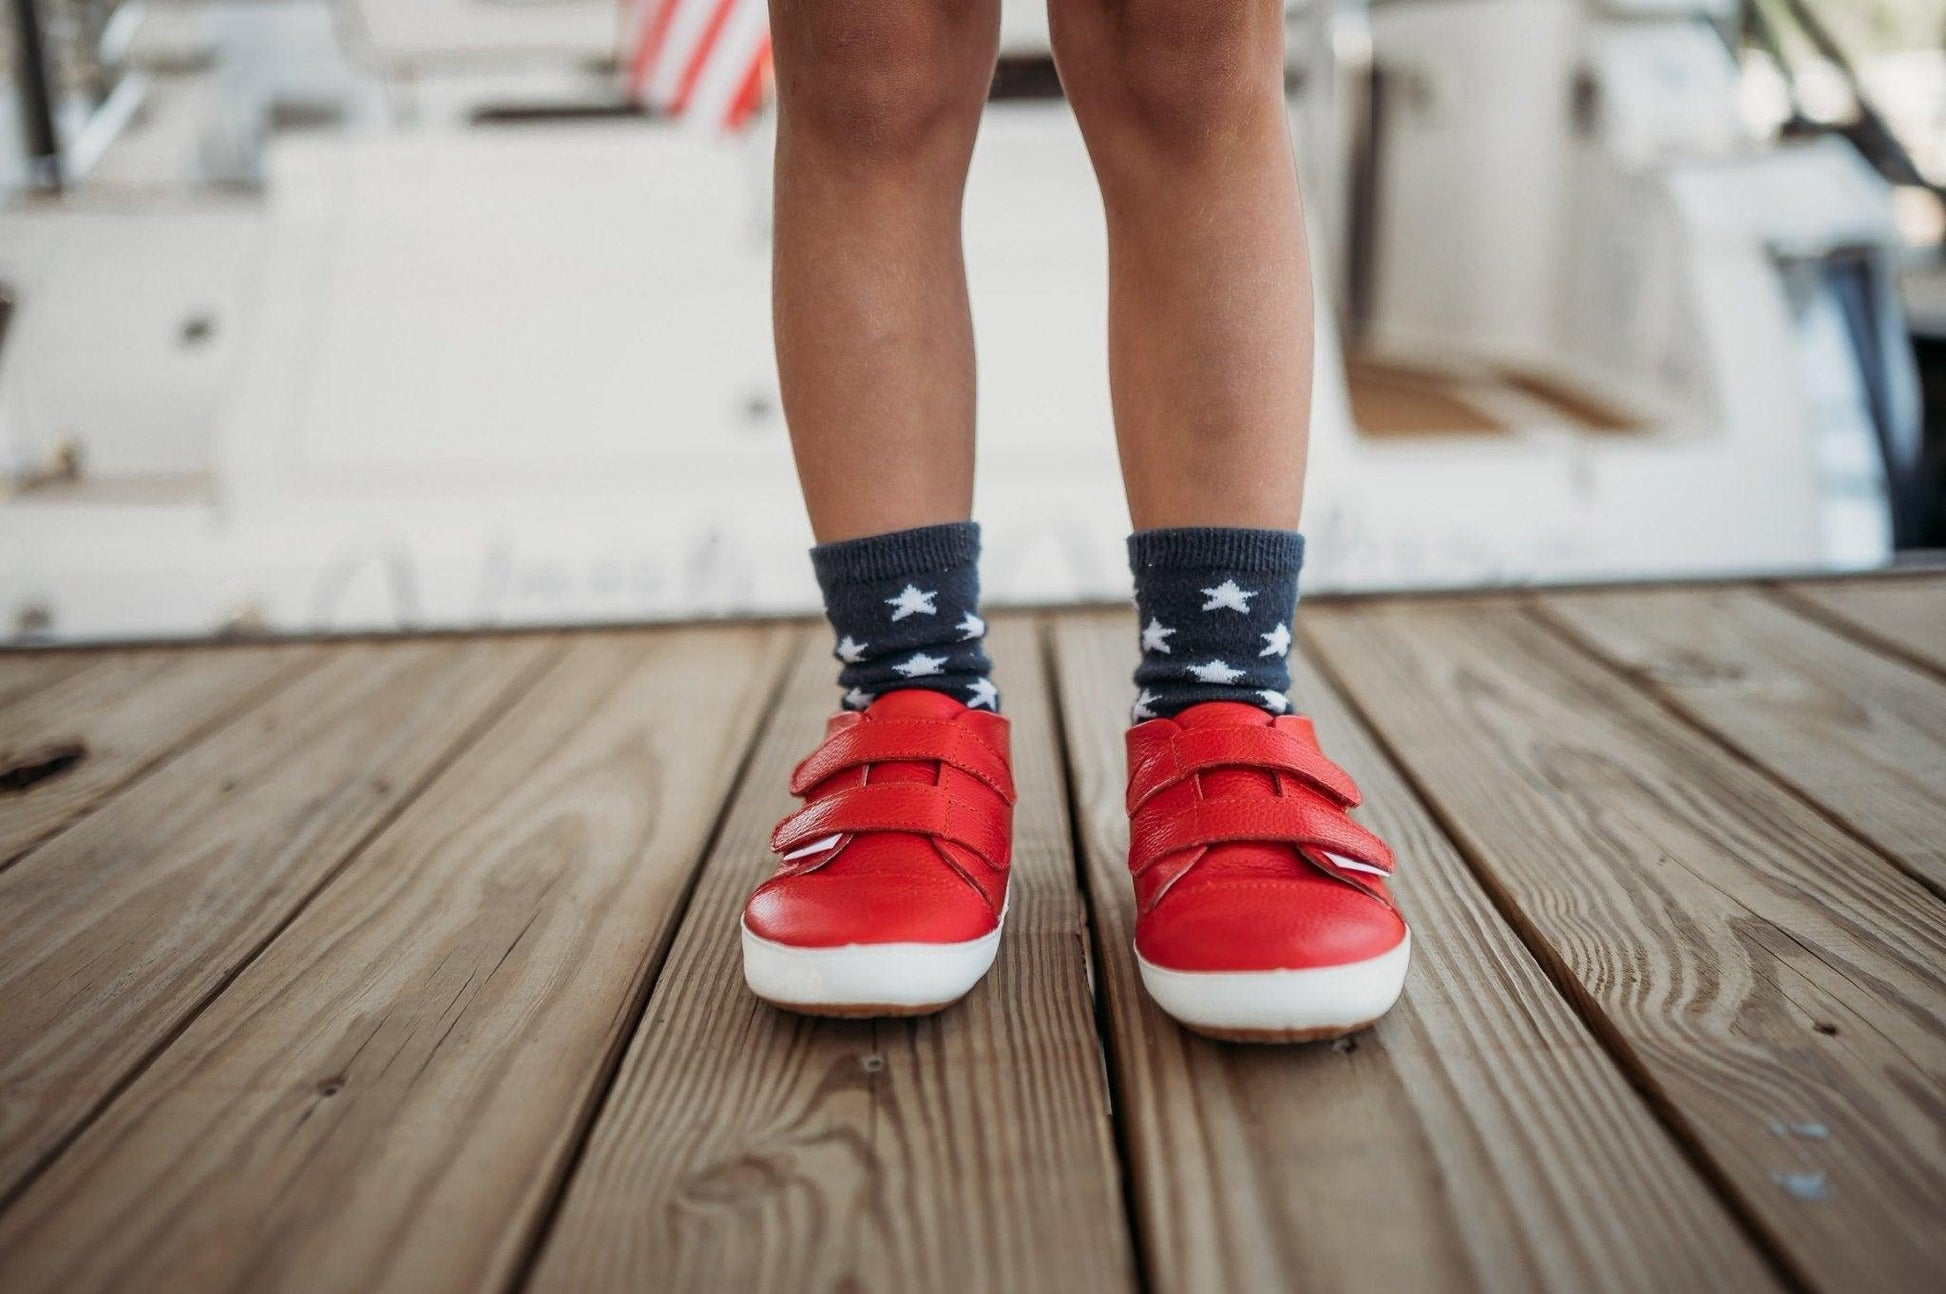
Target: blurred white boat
379	317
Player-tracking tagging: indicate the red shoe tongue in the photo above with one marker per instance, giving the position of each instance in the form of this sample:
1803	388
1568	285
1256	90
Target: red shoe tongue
911	703
1224	714
1229	714
914	703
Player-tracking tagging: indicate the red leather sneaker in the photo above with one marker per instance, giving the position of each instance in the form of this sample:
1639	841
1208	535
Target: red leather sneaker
892	883
1263	913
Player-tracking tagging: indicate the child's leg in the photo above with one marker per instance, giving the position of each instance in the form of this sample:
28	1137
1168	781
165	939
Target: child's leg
1182	106
1264	911
878	105
892	879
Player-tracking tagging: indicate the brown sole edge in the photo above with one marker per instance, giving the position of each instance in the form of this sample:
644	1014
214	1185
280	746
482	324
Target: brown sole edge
1327	1033
860	1010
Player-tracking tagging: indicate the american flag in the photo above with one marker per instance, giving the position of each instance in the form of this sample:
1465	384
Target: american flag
707	61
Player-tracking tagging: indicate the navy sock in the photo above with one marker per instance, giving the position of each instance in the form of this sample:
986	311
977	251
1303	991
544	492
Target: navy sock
1215	605
906	609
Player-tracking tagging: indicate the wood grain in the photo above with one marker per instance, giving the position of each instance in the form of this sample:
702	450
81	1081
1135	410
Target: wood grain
1903	613
119	717
23	673
1480	1121
1859	733
1774	983
744	1148
120	928
384	1098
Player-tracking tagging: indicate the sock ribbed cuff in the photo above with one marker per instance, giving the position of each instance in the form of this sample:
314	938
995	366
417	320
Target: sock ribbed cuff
1230	547
900	552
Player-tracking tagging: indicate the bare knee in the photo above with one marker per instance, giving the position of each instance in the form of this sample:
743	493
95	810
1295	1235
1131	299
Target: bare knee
1175	76
884	78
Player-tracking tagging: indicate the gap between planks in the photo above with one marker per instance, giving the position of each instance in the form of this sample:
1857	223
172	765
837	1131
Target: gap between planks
1857	734
744	1147
1904	615
130	923
120	715
1770	980
380	1099
601	1092
1499	1144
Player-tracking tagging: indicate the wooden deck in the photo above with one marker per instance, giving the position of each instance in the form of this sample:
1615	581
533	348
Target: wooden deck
412	965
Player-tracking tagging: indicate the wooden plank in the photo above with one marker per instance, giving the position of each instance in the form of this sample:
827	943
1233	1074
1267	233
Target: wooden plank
1904	613
1855	731
384	1099
1774	982
1480	1121
744	1148
114	720
122	927
23	673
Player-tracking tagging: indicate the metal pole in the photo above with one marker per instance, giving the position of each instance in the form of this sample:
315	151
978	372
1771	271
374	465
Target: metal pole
36	98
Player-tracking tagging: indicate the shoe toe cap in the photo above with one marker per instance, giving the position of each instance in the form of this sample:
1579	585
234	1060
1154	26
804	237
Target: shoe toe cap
869	900
1266	924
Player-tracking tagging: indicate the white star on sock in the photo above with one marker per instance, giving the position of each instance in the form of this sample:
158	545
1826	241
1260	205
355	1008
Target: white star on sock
857	699
1140	710
1227	594
970	626
1275	702
984	694
920	665
1279	640
911	601
1216	672
851	652
1153	637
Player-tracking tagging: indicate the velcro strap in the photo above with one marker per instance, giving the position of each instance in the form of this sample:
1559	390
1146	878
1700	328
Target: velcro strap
877	741
1285	820
1269	749
899	806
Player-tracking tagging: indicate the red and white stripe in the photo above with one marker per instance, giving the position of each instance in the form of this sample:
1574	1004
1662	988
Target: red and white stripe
707	61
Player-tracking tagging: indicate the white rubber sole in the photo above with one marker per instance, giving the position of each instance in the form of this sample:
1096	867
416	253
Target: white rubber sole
1281	1005
866	979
